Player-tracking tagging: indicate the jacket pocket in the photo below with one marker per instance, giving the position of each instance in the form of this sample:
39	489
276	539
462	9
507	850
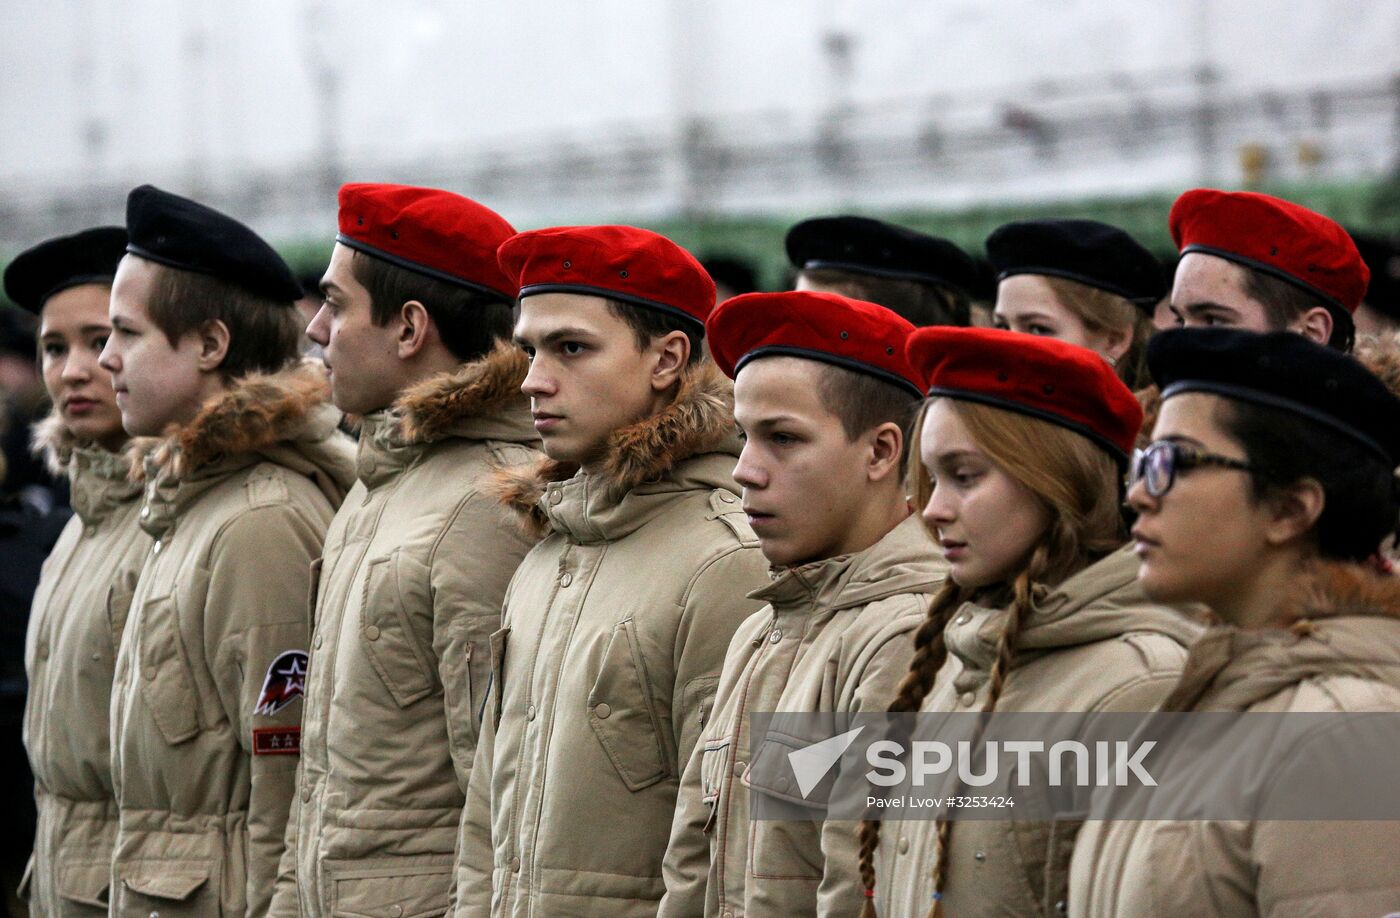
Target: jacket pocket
622	715
395	590
83	886
714	765
119	597
458	670
167	682
496	690
168	889
421	891
313	592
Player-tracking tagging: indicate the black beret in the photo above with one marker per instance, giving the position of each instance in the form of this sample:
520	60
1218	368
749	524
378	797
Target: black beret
175	231
1382	256
861	245
62	262
1092	253
1282	370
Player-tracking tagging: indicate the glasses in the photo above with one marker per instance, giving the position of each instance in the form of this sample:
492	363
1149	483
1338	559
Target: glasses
1156	466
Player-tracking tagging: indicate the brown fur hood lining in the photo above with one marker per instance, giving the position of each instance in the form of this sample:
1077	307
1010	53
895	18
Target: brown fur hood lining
261	409
1333	589
429	410
51	441
699	420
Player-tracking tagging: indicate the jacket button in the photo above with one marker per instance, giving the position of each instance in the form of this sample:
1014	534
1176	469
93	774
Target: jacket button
372	632
317	644
904	846
530	712
775	637
566	579
155	914
964	619
396	911
555	497
738	769
306	794
1061	908
602	710
967	699
149	672
980	857
145	513
726	497
155	549
515	865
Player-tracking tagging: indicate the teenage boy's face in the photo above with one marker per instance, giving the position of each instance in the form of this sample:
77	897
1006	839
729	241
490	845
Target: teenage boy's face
362	357
587	376
1212	291
156	383
804	481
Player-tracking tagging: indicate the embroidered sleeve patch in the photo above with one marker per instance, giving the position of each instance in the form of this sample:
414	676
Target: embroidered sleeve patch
285	682
277	741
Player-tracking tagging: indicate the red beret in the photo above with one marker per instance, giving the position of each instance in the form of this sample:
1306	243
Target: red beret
1274	236
818	326
1042	377
436	233
618	262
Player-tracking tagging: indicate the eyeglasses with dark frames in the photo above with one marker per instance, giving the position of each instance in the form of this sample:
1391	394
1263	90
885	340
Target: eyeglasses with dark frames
1156	467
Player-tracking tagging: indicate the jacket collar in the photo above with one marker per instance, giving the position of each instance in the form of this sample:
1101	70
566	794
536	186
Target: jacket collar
99	480
480	400
282	417
1337	619
905	560
1100	602
689	445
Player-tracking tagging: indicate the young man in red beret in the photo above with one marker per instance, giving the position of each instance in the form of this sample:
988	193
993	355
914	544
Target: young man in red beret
415	327
824	396
1260	263
615	625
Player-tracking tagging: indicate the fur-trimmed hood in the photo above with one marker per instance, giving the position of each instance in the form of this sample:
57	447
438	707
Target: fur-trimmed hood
480	391
1337	619
699	421
283	417
99	480
52	441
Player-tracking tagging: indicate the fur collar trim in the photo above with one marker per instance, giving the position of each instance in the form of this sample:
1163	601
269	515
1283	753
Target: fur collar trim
429	410
1332	589
699	420
261	409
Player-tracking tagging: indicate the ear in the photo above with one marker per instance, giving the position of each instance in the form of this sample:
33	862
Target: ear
1117	341
672	352
887	447
415	330
1294	512
213	345
1316	325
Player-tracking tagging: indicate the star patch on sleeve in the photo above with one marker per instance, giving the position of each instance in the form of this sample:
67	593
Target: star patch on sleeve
277	741
285	682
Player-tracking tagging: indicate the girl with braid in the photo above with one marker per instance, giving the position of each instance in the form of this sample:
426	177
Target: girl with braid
1022	448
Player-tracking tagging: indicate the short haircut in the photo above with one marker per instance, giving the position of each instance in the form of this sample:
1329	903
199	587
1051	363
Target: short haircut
1284	301
862	402
264	334
649	324
921	302
469	321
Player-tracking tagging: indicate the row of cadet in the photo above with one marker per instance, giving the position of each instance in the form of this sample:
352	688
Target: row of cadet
497	655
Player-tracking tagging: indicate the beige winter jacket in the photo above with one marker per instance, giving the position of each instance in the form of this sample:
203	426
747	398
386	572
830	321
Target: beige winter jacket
207	704
835	636
415	567
1096	643
75	626
611	643
1344	656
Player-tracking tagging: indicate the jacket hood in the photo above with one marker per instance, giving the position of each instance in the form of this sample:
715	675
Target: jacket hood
476	401
906	560
99	480
1101	602
659	454
283	417
1338	620
51	441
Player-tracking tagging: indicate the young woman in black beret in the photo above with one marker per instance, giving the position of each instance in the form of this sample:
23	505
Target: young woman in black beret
1265	493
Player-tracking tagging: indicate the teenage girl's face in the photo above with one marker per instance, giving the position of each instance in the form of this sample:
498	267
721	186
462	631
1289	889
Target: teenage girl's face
1206	536
987	521
1026	303
72	332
